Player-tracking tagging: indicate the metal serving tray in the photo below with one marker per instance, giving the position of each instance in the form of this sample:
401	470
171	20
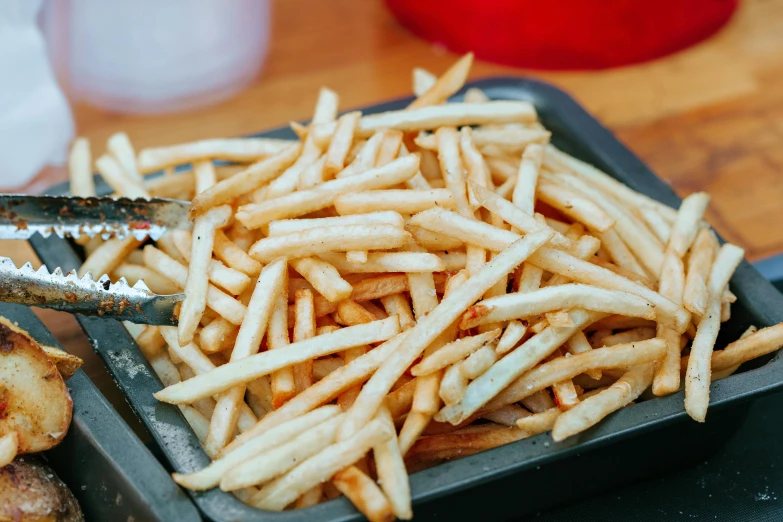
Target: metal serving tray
528	475
111	473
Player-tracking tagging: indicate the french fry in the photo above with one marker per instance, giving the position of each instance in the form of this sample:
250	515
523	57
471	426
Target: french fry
539	422
438	116
233	281
452	385
574	205
505	371
452	168
304	328
278	494
280	459
249	368
322	196
197	283
453	353
320	240
276	436
477	170
108	256
432	240
324	277
462	443
123	184
478	362
204	174
403	201
289	226
218	335
234	256
245	150
367	157
249	179
697	377
79	171
397	304
422	80
561	368
507	415
514	332
593	409
444	87
228	307
154	281
364	494
522	305
704	249
268	290
282	379
524	195
340	143
509	139
392	475
428	328
119	145
381	262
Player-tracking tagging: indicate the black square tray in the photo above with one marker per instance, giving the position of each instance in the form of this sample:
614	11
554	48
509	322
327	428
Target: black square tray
529	475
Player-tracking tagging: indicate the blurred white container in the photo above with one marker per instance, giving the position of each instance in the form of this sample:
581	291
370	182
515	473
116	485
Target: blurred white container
35	121
154	56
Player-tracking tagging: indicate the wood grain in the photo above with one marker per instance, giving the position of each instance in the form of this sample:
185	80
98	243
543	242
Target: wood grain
709	118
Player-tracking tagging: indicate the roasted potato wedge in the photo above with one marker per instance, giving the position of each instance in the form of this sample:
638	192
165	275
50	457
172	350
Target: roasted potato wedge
66	363
34	401
31	492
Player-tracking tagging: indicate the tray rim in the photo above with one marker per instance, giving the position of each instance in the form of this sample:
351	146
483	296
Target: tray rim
447	478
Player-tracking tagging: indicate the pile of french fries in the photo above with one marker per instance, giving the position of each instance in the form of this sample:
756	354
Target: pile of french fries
396	289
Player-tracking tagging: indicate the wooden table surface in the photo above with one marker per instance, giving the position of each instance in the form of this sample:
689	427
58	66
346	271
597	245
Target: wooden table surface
709	118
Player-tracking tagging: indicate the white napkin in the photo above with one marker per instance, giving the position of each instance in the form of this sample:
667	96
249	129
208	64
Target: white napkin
35	120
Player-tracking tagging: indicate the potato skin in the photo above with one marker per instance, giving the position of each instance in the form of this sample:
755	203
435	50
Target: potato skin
34	401
31	492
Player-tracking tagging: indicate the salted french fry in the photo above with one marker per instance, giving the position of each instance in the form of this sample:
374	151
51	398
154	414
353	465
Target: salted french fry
524	195
593	409
477	170
422	80
233	281
478	362
280	459
324	277
108	256
254	176
320	240
688	222
392	475
367	157
364	494
453	353
549	299
225	305
397	304
123	184
245	150
197	283
697	377
204	173
289	226
340	143
452	385
234	256
432	240
574	205
704	249
322	196
452	168
509	139
119	145
444	87
268	290
380	262
154	281
79	171
403	201
429	327
438	116
278	494
276	436
514	332
249	368
218	335
539	422
462	443
304	328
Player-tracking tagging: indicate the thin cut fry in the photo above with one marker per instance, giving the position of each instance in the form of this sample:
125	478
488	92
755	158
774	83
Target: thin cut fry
289	226
514	332
524	195
697	378
364	494
444	87
340	143
121	148
113	174
453	353
324	277
242	150
106	258
197	283
403	201
79	170
704	249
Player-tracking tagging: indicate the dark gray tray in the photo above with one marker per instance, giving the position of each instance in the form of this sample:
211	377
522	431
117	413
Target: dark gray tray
529	475
111	473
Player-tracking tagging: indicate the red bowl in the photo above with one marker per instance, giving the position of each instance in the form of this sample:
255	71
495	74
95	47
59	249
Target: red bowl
564	34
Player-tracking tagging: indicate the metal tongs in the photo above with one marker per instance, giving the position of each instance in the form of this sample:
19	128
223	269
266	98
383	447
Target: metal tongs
21	216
